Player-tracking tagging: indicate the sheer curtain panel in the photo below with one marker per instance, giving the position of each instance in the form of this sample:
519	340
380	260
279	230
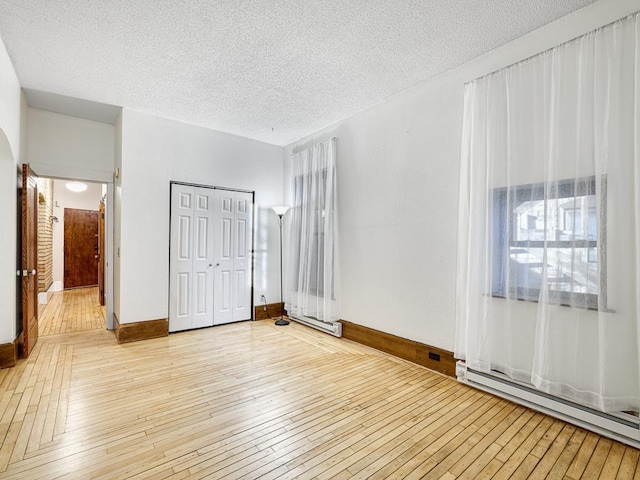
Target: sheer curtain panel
548	286
313	289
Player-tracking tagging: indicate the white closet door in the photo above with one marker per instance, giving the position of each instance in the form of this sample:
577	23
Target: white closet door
181	258
223	292
191	258
242	229
203	258
234	217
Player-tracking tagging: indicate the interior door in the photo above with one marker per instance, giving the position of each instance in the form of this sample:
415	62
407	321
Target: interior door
80	248
101	253
203	258
233	260
223	293
29	260
243	223
191	258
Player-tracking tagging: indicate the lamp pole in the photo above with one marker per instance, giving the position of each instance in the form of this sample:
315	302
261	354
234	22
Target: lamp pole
280	211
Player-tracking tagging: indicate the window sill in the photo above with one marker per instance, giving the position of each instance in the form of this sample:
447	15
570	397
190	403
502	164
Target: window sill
560	304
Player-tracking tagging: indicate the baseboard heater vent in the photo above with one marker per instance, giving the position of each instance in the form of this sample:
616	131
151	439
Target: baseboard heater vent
332	328
620	426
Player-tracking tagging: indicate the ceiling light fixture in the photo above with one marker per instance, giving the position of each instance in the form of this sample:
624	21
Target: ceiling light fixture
76	186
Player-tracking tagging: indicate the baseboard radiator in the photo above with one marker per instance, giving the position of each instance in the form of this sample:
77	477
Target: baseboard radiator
332	328
621	426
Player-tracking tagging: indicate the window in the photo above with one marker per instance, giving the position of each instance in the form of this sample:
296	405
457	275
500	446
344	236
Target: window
549	232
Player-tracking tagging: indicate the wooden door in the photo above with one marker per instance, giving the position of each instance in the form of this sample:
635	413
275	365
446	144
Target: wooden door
101	253
29	260
80	248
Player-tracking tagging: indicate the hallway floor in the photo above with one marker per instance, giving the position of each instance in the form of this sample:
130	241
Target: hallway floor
72	311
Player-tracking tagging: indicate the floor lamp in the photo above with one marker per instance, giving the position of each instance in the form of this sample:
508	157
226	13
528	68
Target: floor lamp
280	211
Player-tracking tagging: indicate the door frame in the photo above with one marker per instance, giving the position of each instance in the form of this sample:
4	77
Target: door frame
82	175
253	239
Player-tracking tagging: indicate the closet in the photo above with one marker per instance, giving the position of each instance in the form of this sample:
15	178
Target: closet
210	261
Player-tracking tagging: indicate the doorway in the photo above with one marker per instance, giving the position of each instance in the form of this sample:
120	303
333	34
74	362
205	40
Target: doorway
50	215
210	256
69	243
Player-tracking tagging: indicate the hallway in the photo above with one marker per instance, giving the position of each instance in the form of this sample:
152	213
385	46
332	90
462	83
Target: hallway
72	311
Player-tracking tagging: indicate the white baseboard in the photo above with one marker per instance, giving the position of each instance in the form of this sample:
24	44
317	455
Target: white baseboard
332	328
44	297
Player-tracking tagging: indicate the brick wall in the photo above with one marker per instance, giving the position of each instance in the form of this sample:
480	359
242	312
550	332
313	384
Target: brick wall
45	234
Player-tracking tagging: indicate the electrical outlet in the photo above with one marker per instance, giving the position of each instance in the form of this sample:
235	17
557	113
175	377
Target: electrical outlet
434	356
262	297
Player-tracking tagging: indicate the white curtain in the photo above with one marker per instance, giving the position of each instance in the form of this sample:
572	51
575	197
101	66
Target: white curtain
313	289
548	286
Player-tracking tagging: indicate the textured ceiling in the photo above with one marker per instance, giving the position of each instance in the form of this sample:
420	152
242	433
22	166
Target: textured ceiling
274	71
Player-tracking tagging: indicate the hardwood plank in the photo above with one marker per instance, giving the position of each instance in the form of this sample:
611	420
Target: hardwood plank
628	464
598	459
577	467
561	466
549	453
71	311
251	401
613	461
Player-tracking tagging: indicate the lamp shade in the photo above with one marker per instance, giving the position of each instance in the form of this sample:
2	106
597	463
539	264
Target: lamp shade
280	209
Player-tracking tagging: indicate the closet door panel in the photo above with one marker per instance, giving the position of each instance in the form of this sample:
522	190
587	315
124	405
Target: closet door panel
243	228
224	254
203	259
181	258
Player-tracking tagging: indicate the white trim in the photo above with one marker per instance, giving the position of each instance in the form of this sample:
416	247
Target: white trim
332	328
71	173
108	280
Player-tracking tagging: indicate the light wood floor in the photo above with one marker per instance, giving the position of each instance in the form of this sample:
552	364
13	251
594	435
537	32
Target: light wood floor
253	400
70	311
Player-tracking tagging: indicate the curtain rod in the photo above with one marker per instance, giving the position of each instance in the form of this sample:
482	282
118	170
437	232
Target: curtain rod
294	152
548	50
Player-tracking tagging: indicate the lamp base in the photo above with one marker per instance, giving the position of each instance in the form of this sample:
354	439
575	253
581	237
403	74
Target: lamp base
282	321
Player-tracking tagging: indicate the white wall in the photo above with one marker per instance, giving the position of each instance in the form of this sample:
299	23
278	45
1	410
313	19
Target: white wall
156	151
64	198
398	166
11	155
70	147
